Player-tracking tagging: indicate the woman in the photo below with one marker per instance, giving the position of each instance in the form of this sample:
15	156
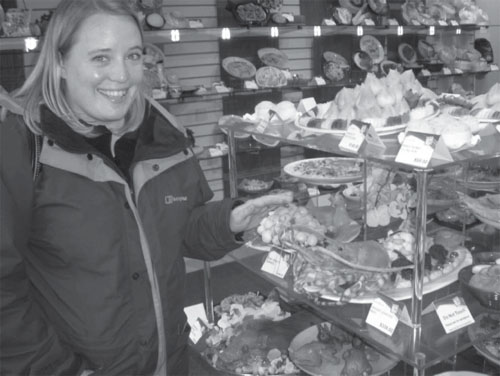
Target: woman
92	270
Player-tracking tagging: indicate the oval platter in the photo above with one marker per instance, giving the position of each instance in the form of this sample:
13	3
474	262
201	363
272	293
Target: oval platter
273	57
239	67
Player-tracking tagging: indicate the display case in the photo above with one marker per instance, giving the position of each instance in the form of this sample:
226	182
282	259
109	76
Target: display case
307	39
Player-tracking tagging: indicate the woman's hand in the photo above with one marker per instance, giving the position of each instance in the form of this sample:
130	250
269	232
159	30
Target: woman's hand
249	214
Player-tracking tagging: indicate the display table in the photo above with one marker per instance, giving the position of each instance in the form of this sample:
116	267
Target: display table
232	278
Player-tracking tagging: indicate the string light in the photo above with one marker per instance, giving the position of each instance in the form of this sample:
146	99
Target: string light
317	31
175	35
226	33
400	30
432	30
30	44
359	31
458	31
274	32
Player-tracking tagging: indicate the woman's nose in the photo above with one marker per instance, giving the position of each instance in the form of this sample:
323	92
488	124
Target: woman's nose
119	71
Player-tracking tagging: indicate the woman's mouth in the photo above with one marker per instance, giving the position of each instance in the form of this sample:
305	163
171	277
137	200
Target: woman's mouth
114	96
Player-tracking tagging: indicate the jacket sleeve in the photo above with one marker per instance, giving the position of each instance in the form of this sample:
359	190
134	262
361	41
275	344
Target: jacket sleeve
28	344
208	235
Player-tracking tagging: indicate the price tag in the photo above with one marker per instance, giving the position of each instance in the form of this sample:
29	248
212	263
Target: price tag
393	22
277	262
453	23
354	137
453	313
385	313
369	22
417	149
446	71
458	71
415	22
442	23
493	67
425	72
288	16
329	22
197	319
482	30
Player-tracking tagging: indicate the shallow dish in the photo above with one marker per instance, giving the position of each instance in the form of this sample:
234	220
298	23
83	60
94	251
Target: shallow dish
255	186
239	67
273	57
487	299
330	365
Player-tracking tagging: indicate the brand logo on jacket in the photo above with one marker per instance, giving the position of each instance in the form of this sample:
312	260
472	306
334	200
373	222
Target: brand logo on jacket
169	199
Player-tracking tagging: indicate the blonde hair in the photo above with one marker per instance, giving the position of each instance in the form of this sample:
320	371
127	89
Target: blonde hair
45	85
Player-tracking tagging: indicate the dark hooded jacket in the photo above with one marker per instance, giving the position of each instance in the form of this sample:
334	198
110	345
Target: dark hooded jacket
92	270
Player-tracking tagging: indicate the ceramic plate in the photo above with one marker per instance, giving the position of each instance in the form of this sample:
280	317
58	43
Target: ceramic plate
273	57
239	67
372	47
486	323
269	77
331	366
328	170
406	293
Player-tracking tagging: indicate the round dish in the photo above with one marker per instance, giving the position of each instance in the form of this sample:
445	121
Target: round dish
239	67
255	186
307	341
406	292
485	324
250	13
327	170
334	57
273	57
363	61
488	299
372	47
407	54
269	77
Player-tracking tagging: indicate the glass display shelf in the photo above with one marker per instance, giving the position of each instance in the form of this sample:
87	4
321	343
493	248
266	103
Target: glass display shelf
423	342
486	148
434	345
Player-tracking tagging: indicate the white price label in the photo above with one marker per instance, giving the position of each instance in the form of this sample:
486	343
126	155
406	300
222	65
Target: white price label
329	22
393	22
383	316
417	149
442	23
453	23
197	319
277	263
369	22
446	71
353	138
454	314
425	72
493	67
415	22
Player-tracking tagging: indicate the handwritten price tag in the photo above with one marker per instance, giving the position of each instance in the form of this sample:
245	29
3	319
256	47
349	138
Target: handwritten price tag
494	67
417	149
442	23
453	23
353	138
425	72
383	316
393	22
277	263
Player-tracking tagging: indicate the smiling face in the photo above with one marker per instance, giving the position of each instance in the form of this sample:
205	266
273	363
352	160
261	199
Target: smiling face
103	70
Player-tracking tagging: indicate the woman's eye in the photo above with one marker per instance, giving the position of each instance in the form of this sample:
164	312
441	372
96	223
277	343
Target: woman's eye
100	58
136	56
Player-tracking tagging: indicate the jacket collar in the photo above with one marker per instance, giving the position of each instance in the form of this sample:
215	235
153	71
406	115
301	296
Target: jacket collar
156	137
